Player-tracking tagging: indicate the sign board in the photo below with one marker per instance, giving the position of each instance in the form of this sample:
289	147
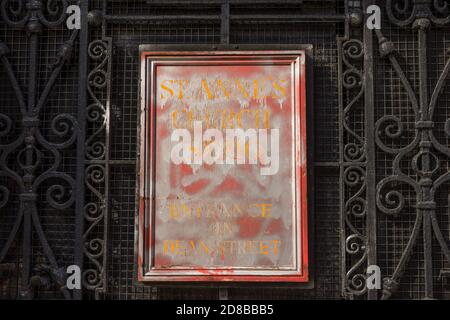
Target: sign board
223	176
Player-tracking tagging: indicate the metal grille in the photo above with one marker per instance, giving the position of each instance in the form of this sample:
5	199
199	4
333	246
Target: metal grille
126	38
392	99
357	220
58	225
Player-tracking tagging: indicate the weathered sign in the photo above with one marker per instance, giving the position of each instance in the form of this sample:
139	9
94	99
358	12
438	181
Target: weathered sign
223	167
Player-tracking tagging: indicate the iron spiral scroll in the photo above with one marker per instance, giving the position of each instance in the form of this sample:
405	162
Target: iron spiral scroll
423	150
27	149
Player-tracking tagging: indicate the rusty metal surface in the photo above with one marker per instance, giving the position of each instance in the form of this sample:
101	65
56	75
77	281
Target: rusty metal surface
241	215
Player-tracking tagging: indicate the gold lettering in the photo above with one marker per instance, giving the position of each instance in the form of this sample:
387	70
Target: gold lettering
242	88
263	248
180	85
276	244
227	119
266	118
173	212
225	90
166	88
255	89
208	92
239	117
265	209
278	87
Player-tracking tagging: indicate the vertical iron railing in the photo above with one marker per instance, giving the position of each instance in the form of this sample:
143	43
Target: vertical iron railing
363	194
82	103
30	145
369	132
354	156
424	178
97	159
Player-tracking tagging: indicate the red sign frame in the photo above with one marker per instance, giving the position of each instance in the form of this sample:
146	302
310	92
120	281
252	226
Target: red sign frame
146	270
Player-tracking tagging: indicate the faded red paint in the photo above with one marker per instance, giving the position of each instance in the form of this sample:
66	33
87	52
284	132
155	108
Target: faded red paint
163	132
161	260
275	226
175	198
248	227
196	186
185	169
229	185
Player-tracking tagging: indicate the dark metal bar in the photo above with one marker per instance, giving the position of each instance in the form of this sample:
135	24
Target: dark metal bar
107	167
32	71
428	259
369	107
424	196
225	24
81	118
59	64
423	72
314	18
330	18
122	162
26	252
342	255
27	196
326	164
144	18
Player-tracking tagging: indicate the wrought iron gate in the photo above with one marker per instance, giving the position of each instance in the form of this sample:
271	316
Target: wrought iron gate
68	141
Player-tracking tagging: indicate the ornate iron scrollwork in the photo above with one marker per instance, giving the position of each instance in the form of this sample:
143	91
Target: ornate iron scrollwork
353	163
97	167
29	146
423	147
